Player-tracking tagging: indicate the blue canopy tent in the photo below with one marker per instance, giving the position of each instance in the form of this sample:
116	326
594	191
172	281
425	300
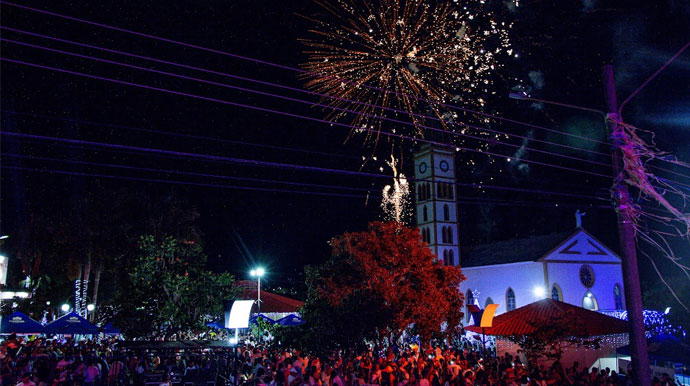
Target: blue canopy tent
18	323
71	324
215	325
254	318
290	320
109	329
664	348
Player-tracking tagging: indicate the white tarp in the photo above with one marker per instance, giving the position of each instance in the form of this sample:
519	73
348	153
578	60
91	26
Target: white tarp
239	314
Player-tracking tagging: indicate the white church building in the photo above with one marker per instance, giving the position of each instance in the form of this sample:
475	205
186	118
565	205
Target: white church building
573	267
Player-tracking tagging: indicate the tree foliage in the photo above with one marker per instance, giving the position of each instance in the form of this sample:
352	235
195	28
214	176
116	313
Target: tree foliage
169	290
377	284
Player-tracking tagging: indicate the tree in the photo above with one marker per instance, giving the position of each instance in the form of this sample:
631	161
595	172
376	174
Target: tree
169	290
377	284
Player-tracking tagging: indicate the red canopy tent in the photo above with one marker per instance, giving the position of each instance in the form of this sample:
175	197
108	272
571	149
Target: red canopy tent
522	321
270	302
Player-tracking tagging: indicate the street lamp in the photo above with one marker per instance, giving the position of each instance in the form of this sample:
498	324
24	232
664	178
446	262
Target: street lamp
65	308
258	272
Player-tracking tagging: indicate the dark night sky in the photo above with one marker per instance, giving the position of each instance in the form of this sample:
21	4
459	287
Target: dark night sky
565	43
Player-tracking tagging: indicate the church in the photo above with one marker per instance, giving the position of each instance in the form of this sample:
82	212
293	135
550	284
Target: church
573	267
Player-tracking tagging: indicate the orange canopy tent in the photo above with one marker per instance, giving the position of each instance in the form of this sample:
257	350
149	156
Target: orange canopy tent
522	321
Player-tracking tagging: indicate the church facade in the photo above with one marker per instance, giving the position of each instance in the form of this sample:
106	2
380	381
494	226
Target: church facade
573	267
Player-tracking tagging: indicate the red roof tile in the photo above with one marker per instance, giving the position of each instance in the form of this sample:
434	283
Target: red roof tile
270	302
520	321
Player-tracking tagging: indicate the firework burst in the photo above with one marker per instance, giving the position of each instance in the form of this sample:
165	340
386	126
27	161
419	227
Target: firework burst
392	58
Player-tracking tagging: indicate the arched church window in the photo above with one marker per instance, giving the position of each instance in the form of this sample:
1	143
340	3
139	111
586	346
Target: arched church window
556	293
427	191
446	212
445	257
618	296
589	301
451	257
444	238
510	299
469	300
450	191
488	301
449	235
425	214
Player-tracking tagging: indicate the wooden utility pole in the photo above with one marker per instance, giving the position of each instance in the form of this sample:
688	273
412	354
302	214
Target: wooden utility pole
626	235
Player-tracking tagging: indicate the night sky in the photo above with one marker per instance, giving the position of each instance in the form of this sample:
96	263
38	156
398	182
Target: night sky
562	49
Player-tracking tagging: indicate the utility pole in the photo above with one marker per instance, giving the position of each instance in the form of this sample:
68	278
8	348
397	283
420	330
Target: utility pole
626	236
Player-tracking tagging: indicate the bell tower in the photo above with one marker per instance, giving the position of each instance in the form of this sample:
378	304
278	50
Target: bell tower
435	203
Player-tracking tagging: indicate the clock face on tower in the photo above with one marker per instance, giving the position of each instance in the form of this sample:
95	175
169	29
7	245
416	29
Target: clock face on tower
443	165
422	167
587	276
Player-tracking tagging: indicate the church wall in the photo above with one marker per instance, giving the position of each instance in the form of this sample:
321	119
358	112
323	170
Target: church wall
566	275
494	280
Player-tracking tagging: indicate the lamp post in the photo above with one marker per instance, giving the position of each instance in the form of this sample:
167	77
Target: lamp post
258	273
626	232
89	309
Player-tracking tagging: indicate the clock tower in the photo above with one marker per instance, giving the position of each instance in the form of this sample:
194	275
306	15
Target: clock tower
435	203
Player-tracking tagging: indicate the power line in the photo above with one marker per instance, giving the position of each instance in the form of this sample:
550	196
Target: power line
233	76
311	103
236	56
97	124
192	136
194	174
273	190
654	75
205	175
206	157
182	182
267	63
394	135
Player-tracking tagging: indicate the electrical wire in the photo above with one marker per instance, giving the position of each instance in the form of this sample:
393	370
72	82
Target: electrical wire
394	135
311	103
273	190
254	60
174	134
206	157
654	75
276	65
265	83
205	175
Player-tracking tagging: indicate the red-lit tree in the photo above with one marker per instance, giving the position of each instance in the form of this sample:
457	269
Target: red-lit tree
377	284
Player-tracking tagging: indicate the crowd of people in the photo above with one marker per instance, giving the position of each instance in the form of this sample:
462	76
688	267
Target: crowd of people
42	362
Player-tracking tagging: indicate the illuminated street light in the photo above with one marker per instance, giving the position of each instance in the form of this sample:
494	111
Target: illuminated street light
258	272
65	308
90	307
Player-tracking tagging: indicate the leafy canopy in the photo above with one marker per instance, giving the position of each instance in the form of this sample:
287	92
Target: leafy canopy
377	284
169	290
